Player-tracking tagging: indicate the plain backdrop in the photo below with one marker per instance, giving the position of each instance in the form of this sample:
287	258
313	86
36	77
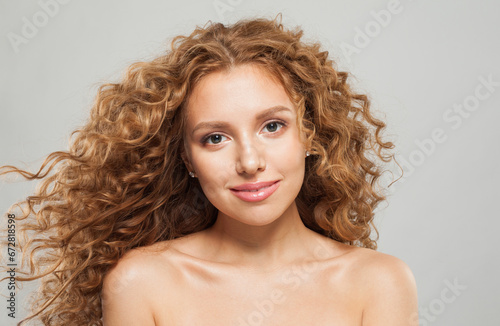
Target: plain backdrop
430	67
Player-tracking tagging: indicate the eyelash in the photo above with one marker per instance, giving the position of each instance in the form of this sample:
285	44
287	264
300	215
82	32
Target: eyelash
279	122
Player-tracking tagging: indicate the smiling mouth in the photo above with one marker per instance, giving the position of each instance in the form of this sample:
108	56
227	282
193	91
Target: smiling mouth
250	194
254	185
256	190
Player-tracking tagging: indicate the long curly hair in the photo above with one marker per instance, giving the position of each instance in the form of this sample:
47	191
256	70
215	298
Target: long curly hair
122	183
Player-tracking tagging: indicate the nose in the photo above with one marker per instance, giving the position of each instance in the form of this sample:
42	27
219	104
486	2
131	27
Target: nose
250	159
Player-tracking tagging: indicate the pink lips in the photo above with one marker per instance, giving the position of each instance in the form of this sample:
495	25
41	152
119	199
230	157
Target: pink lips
256	191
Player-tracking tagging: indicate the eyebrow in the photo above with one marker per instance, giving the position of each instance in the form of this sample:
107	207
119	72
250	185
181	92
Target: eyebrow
261	116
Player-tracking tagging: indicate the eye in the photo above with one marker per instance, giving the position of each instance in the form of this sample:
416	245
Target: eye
274	126
213	139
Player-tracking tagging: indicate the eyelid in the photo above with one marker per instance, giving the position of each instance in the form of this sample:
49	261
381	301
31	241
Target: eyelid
279	121
205	139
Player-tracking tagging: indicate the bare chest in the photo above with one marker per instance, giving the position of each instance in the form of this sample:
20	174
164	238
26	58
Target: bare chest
296	296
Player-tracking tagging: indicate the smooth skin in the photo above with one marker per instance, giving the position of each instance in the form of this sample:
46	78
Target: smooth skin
258	264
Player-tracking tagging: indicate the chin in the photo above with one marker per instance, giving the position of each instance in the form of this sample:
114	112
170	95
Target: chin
259	222
260	216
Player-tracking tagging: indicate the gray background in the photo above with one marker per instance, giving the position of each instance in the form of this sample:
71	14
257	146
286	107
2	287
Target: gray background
441	219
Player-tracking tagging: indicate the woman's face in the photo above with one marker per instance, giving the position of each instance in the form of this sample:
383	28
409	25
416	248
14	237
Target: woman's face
243	144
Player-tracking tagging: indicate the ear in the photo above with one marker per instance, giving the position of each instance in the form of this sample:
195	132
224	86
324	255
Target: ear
185	159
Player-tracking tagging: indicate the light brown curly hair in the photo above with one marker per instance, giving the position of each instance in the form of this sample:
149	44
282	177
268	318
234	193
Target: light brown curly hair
122	184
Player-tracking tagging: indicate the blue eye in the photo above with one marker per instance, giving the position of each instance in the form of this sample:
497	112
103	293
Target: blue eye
274	126
213	139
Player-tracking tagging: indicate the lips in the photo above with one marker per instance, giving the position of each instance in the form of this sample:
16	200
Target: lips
255	191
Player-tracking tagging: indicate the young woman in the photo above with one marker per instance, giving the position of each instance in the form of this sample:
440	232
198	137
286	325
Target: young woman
231	181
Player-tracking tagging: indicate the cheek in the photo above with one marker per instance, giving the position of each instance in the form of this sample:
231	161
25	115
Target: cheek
212	170
213	175
291	150
288	159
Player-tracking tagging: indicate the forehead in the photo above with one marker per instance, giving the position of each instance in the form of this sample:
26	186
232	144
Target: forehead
240	93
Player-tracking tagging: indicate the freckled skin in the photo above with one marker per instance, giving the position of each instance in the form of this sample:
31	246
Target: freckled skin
258	264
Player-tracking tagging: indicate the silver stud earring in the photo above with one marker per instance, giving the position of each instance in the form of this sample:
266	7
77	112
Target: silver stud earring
191	174
307	153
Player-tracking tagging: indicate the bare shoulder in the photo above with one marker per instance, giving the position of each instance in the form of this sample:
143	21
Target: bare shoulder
380	266
388	287
134	265
366	266
128	294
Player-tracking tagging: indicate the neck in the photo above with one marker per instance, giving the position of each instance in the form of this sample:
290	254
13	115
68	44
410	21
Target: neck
280	242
